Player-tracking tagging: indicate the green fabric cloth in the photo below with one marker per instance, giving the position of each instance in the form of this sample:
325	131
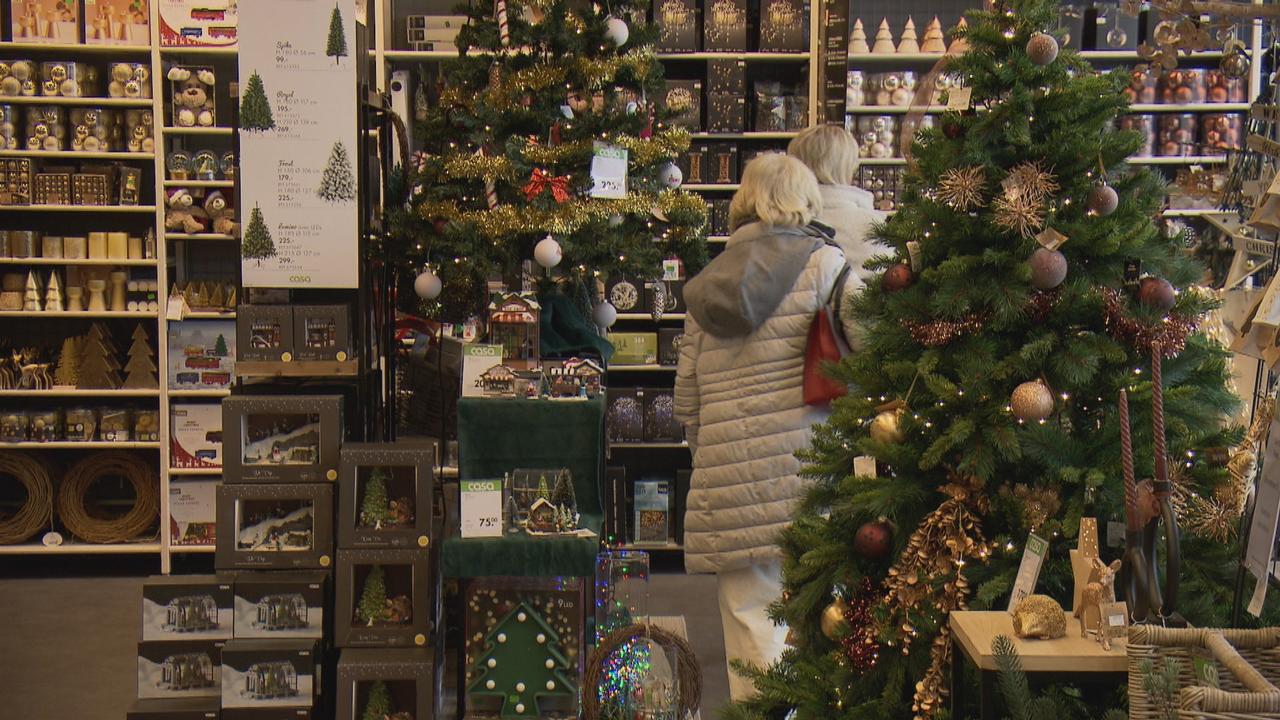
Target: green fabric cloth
497	436
564	332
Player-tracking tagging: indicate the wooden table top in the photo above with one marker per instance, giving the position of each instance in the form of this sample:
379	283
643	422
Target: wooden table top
974	631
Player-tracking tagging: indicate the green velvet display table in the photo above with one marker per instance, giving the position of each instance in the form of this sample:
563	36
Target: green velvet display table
497	436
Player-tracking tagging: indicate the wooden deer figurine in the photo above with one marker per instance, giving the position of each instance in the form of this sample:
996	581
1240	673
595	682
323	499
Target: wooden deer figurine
1097	593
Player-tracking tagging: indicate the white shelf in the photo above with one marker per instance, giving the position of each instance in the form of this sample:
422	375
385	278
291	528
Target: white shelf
197	236
1188	107
200	183
75	392
779	57
28	47
71	445
710	187
77	155
198	131
744	135
1179	160
647	316
201	393
856	59
1133	55
653	547
69	314
92	101
71	261
78	548
193	549
195	471
149	209
198	50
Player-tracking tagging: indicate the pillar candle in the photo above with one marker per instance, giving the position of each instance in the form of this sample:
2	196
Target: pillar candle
22	244
97	246
135	248
73	248
51	246
117	245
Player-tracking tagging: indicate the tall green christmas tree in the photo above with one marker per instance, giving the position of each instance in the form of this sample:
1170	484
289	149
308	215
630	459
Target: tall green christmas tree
987	381
374	509
338	184
336	46
378	705
257	243
508	150
521	663
373	597
255	109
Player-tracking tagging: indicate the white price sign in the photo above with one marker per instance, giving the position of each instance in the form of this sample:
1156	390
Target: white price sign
481	508
609	171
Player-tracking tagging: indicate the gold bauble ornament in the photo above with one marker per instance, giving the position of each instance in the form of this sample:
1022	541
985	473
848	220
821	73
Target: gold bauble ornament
1032	401
833	622
886	427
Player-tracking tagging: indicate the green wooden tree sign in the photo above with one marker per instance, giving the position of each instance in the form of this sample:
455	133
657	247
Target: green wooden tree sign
522	662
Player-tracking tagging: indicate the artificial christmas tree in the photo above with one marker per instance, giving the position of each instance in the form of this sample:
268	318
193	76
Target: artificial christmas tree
563	495
257	243
522	662
68	362
336	45
255	108
378	706
943	357
374	509
907	43
99	369
509	157
338	184
141	367
373	597
858	39
884	40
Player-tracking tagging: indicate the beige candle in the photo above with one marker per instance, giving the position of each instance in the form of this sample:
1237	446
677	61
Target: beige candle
73	248
97	246
135	248
51	246
117	245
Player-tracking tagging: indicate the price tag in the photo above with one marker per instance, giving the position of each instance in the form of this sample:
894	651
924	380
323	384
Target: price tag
1115	619
609	171
481	508
864	466
1029	570
958	98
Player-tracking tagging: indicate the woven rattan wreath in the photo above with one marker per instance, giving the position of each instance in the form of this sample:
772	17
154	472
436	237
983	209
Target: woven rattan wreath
83	524
689	670
37	512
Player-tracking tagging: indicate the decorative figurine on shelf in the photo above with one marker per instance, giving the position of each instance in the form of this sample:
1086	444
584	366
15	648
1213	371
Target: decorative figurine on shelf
180	213
1097	594
858	40
205	165
1039	617
884	40
376	608
543	516
192	96
374	510
514	324
522	663
222	219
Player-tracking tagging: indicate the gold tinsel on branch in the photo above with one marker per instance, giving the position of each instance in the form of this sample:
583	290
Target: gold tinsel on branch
473	166
507	90
507	220
664	145
937	551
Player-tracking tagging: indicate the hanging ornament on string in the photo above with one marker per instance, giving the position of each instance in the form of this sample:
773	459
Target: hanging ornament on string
832	621
605	315
1042	48
1157	294
427	285
898	277
616	31
1048	268
1103	199
615	220
886	426
1032	401
874	540
504	28
547	252
670	176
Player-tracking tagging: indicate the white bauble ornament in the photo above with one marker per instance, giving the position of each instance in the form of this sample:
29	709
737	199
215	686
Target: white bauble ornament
605	315
1048	268
670	176
1042	48
547	252
427	285
616	31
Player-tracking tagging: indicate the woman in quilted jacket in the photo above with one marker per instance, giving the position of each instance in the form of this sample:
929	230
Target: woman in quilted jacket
739	393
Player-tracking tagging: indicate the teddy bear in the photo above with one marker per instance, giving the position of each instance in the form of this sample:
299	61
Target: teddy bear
192	96
180	213
222	219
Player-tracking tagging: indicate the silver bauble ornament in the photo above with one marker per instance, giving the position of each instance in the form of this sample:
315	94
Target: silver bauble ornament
605	315
1042	48
885	427
427	285
1032	401
1048	268
616	31
1234	65
547	252
1103	200
833	623
670	176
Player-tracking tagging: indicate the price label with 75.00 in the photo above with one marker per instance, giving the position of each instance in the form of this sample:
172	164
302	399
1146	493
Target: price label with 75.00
481	508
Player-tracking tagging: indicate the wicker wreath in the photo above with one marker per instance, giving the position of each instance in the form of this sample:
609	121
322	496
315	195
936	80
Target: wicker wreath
689	670
37	512
89	526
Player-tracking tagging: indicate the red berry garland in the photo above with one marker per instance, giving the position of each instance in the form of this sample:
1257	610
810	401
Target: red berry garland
859	644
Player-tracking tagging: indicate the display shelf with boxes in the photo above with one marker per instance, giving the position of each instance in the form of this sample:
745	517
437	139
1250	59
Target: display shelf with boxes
275	526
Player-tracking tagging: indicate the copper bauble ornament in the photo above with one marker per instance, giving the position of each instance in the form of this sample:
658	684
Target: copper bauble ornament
874	540
1042	49
898	277
953	130
1048	268
1032	401
833	623
1234	65
1103	200
886	428
1157	294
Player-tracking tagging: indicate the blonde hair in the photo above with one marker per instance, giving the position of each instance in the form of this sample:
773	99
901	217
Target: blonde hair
829	151
776	190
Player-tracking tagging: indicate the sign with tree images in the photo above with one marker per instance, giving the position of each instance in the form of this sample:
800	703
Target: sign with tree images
522	662
297	165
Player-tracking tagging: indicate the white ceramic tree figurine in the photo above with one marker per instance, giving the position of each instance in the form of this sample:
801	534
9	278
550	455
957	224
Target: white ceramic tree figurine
907	43
959	45
858	40
53	294
933	41
31	298
884	40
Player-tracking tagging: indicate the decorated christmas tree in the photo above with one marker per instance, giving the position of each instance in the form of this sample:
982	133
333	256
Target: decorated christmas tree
68	362
338	184
1028	286
542	92
99	369
255	109
544	489
563	495
522	662
257	243
141	368
373	597
336	46
378	706
374	509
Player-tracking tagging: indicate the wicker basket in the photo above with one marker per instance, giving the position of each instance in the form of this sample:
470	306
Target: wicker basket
1255	655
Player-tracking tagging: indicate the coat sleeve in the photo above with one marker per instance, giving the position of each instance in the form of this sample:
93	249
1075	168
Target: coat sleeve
688	403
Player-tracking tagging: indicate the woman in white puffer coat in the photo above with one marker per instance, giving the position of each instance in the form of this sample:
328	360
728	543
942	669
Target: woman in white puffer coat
739	393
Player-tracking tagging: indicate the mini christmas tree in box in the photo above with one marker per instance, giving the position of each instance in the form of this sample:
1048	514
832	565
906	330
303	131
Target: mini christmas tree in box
378	706
522	662
141	368
373	598
374	509
99	369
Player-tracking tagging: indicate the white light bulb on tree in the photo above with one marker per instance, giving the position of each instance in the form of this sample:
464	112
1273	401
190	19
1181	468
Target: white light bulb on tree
427	285
615	220
616	31
547	252
605	315
670	176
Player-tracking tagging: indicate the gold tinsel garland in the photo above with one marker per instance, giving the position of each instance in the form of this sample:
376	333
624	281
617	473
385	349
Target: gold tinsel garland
946	539
473	166
664	145
507	220
505	90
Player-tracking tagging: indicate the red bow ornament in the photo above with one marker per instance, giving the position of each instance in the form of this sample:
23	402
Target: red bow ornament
541	181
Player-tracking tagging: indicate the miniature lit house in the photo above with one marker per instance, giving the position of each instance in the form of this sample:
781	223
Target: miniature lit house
542	516
268	680
191	613
285	611
187	671
498	380
514	324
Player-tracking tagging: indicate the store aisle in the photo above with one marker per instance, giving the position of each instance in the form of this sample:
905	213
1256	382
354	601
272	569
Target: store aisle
70	643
